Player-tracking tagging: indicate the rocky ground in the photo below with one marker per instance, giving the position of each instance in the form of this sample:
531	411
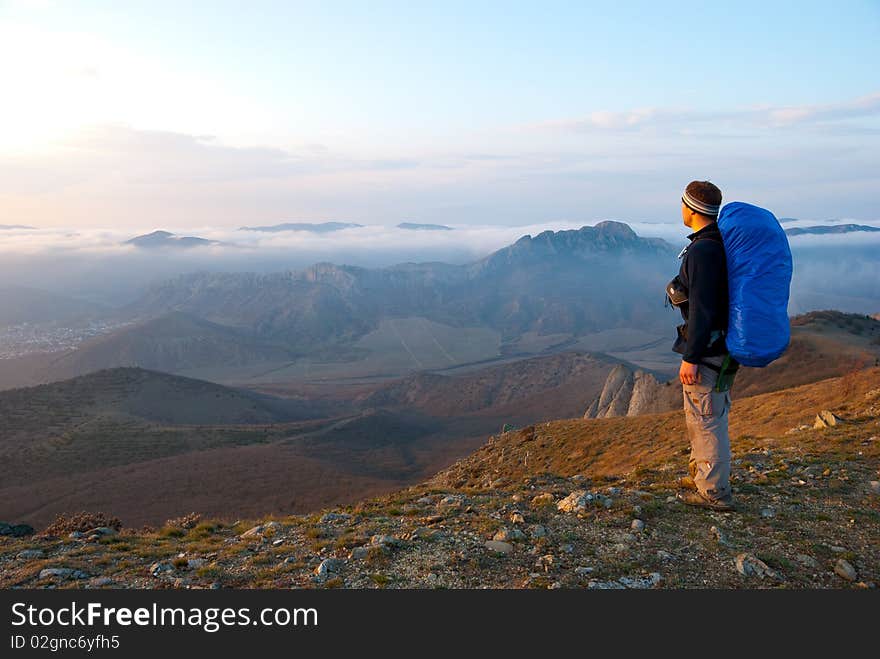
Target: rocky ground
809	517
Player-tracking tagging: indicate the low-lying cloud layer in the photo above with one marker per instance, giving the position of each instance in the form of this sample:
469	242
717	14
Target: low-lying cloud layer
834	271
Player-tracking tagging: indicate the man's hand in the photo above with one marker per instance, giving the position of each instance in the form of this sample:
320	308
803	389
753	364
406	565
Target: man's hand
688	373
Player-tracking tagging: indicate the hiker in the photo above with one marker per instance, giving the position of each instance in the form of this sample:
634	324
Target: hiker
700	292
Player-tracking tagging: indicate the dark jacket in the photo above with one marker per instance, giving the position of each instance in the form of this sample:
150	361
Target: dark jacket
703	276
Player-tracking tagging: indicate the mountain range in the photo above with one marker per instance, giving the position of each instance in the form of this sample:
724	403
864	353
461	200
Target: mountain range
555	282
825	229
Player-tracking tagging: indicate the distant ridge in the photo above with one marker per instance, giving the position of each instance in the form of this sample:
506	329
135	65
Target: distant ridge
423	227
823	229
161	239
5	227
322	227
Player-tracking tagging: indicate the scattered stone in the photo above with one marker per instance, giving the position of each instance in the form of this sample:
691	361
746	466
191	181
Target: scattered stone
385	541
837	549
845	570
517	518
768	512
637	510
752	566
76	535
545	499
637	525
614	491
101	582
424	533
650	581
327	568
196	563
875	487
451	501
577	501
62	573
808	561
508	535
253	532
216	585
329	518
425	501
566	548
499	547
30	554
278	542
583	571
537	531
671	498
719	536
665	555
289	560
826	419
161	567
629	538
102	531
358	553
545	562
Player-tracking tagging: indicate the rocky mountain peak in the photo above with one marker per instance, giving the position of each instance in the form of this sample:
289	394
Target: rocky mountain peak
629	392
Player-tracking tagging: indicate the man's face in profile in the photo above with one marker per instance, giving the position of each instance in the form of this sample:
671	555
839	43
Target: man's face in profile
686	215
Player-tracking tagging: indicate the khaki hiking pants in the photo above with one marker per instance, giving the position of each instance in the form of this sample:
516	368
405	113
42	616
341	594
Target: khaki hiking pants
706	412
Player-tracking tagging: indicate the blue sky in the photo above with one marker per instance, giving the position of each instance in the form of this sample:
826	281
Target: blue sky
464	112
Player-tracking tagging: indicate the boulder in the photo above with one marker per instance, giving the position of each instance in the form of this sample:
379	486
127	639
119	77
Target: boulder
826	419
751	566
499	547
845	570
577	501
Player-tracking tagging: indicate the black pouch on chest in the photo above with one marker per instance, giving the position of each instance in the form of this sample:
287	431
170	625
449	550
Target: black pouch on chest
676	293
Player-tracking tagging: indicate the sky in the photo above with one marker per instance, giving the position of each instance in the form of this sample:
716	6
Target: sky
145	115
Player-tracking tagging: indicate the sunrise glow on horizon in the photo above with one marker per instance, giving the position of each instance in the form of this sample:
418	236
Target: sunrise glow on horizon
155	115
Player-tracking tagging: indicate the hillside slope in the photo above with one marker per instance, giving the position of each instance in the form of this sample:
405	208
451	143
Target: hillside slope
566	504
823	344
172	343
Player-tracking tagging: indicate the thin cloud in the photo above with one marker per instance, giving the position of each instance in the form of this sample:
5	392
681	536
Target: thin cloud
744	118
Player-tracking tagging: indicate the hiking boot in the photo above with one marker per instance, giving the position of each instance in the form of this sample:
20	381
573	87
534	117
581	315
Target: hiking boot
723	505
687	483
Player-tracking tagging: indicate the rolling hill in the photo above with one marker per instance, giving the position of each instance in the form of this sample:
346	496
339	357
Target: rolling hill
172	343
73	443
572	503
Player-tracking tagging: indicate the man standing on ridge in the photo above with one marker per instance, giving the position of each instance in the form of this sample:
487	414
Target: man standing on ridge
700	293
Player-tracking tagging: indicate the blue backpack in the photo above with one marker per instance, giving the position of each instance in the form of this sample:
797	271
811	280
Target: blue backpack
758	279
